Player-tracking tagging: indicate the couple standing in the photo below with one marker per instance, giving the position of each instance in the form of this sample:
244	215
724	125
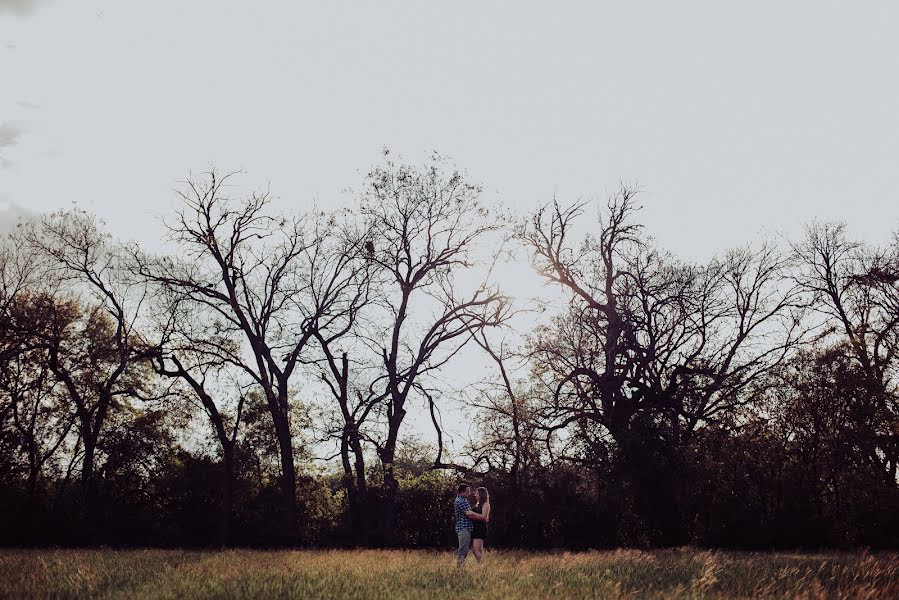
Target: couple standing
472	516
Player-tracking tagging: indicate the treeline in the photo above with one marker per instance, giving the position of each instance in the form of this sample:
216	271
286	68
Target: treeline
184	397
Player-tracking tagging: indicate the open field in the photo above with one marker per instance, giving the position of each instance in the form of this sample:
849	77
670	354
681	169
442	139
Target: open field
417	574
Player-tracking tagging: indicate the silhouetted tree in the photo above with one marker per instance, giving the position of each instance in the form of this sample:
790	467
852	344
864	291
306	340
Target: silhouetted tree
650	348
855	291
93	355
427	222
268	280
183	345
39	411
749	400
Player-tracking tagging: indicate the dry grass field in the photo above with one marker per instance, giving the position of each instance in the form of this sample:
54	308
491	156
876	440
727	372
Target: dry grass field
417	574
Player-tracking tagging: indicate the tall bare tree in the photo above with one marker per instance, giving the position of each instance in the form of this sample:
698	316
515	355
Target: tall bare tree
183	343
350	386
92	353
855	291
649	347
427	222
268	280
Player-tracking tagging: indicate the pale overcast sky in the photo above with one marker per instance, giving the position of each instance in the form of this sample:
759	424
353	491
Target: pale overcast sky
734	117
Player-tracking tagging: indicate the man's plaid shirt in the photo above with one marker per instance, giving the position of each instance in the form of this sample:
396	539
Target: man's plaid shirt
463	523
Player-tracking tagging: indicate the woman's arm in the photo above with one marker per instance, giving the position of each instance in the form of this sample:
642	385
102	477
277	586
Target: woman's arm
486	512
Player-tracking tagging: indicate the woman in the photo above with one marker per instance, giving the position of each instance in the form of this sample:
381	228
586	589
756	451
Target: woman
479	535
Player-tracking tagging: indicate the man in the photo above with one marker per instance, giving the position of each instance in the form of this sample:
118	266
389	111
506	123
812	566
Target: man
464	524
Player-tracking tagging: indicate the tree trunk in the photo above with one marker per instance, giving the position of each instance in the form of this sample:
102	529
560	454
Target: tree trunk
88	511
227	494
87	462
391	485
515	503
349	484
361	490
355	484
34	469
654	497
288	479
388	510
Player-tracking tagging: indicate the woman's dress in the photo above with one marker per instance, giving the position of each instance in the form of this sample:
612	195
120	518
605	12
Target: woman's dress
480	527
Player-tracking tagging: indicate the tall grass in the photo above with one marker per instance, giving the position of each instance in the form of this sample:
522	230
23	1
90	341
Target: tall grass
417	574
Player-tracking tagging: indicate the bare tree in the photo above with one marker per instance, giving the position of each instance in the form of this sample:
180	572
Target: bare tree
354	400
268	280
507	437
20	270
94	357
649	347
508	404
426	223
855	291
185	347
40	416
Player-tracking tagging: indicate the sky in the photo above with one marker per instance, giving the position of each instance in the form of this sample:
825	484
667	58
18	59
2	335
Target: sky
737	119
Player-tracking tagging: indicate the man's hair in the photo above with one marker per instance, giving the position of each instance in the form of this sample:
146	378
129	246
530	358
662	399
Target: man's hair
462	487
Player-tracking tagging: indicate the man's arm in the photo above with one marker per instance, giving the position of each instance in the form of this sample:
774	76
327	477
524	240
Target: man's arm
476	516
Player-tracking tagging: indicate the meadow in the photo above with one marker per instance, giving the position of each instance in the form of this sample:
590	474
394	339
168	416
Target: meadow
680	573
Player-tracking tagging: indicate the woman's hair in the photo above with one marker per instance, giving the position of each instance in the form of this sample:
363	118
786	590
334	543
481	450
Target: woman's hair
483	496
